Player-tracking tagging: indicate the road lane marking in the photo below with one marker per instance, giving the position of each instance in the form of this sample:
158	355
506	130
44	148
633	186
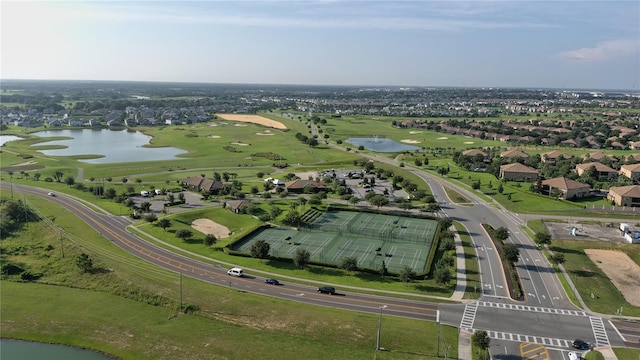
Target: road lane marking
529	339
517	307
599	331
469	315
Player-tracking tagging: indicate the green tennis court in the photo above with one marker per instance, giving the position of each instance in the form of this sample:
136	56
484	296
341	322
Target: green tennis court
370	238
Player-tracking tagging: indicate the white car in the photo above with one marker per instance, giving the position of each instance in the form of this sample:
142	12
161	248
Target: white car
51	194
574	356
235	272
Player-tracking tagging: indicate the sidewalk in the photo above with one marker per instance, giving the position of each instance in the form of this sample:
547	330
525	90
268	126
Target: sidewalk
464	345
607	352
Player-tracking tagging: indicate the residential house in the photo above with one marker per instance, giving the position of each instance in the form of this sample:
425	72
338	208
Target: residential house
299	185
602	171
553	157
625	195
518	172
200	183
632	171
474	152
514	154
568	188
569	143
596	156
236	206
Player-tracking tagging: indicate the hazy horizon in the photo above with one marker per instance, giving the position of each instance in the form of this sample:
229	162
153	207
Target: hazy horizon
562	44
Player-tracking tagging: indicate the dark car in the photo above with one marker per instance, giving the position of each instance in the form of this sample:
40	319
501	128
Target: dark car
272	282
327	290
579	344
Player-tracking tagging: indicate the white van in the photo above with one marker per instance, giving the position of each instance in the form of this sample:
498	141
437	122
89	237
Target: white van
235	272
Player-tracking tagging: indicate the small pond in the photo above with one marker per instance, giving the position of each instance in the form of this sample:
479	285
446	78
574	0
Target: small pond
6	138
21	350
381	144
115	146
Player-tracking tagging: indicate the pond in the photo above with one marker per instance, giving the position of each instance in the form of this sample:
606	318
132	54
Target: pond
6	138
116	146
381	144
20	350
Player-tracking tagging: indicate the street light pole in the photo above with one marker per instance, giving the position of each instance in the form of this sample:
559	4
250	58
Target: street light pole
379	326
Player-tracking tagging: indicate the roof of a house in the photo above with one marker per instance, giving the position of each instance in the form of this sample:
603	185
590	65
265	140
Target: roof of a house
474	152
564	183
517	167
300	184
628	191
598	166
631	167
514	154
203	183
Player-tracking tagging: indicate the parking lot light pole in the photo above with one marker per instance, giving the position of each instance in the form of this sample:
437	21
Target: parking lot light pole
379	326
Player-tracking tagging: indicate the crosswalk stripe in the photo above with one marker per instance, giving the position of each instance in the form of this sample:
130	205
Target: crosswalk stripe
530	308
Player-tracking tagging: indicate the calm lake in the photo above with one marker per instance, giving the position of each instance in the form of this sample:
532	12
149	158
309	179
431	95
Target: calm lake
381	144
115	146
26	350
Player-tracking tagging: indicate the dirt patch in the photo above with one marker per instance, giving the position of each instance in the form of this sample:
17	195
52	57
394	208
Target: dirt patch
207	226
255	119
409	141
590	232
621	270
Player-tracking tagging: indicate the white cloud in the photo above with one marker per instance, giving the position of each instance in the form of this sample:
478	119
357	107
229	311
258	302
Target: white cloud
602	52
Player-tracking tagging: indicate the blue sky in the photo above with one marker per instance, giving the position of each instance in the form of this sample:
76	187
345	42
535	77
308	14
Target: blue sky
547	44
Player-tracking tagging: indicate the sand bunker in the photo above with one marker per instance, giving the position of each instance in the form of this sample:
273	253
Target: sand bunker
409	141
240	125
207	226
265	133
415	132
240	144
214	136
468	142
621	270
443	138
255	119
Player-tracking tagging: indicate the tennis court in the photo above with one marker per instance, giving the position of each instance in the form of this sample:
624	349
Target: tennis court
370	238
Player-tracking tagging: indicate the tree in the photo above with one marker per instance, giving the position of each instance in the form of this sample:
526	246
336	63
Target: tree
69	180
383	269
557	259
260	249
349	264
293	218
164	223
209	240
145	206
150	218
502	233
379	200
301	258
37	176
542	238
184	234
84	262
481	339
57	176
511	253
442	275
407	274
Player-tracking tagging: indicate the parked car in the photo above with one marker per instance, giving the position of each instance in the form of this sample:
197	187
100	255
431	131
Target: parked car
327	290
235	272
272	282
574	356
